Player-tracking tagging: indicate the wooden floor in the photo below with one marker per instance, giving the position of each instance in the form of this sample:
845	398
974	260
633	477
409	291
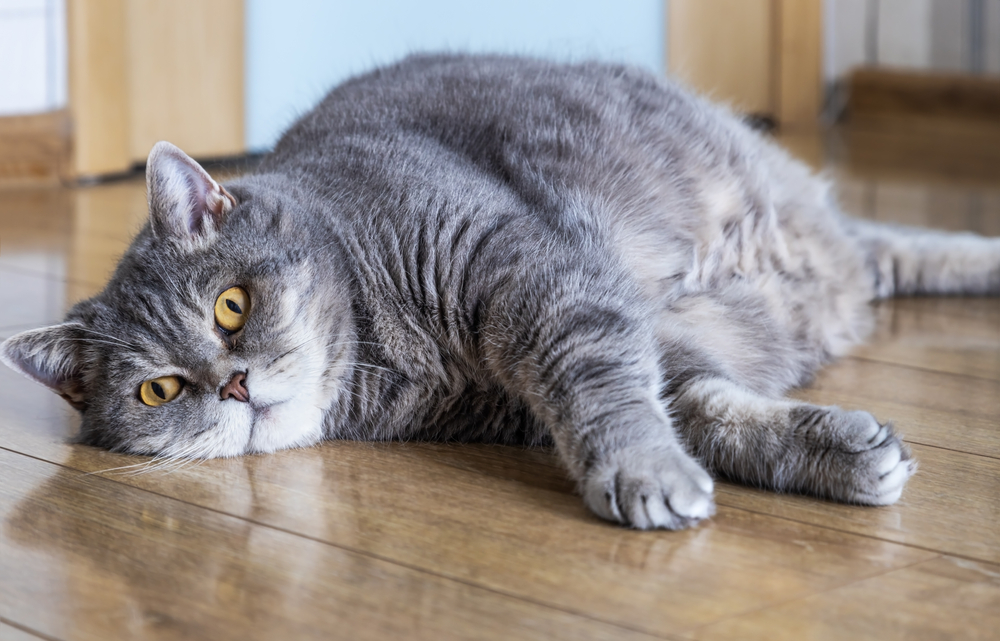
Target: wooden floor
361	541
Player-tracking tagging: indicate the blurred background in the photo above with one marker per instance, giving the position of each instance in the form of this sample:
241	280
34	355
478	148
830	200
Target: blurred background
87	86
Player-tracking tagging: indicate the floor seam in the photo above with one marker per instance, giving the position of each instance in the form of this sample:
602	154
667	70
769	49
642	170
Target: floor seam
809	596
872	537
949	449
360	552
917	368
28	630
337	545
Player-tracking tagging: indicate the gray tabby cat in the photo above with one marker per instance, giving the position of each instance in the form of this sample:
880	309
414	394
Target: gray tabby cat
497	249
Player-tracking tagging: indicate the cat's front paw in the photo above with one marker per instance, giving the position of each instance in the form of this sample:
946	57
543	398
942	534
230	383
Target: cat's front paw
649	488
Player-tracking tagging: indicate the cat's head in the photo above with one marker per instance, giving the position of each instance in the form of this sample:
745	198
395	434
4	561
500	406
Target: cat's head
219	333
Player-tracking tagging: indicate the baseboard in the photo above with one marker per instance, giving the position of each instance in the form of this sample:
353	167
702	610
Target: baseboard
932	151
885	92
910	124
35	148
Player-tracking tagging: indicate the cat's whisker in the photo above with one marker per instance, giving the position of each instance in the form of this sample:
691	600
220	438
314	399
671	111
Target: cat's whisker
116	469
370	366
169	465
183	464
108	337
296	348
162	462
316	338
338	343
171	284
94	340
150	465
345	390
154	463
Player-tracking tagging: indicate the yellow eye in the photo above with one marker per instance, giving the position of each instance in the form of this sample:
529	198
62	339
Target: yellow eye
231	309
161	390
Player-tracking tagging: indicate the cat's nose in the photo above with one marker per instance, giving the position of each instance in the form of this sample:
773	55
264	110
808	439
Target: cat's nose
236	388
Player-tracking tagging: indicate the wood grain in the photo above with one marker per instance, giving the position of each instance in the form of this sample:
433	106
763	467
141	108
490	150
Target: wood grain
949	336
185	76
11	633
902	93
414	505
35	148
798	63
740	73
94	559
932	150
98	86
950	505
962	602
920	402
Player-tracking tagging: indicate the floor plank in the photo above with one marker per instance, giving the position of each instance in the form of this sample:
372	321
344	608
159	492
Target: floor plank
436	507
944	598
949	335
88	558
401	502
11	633
932	408
951	505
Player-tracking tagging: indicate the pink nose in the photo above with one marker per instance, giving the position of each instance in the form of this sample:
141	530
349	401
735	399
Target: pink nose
236	388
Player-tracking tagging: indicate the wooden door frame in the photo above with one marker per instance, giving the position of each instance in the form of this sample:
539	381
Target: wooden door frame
790	40
110	105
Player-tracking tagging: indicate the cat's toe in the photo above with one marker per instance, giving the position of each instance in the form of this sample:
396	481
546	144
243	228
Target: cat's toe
646	490
881	479
860	431
849	456
878	462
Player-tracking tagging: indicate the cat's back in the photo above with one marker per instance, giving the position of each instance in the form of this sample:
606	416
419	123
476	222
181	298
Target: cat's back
619	144
640	171
573	122
676	183
453	96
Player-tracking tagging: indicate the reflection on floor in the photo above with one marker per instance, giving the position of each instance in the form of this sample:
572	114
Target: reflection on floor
434	541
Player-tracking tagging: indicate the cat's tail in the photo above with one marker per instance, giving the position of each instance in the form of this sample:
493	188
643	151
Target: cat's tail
908	261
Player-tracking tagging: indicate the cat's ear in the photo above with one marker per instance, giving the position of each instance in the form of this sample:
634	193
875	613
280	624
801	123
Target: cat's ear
49	355
184	201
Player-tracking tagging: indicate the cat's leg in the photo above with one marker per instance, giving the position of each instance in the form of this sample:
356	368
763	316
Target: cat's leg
790	446
579	349
910	260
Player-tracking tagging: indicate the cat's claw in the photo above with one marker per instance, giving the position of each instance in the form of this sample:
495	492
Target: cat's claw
882	466
863	461
646	489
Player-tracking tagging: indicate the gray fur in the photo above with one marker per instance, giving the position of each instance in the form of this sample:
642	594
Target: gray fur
489	248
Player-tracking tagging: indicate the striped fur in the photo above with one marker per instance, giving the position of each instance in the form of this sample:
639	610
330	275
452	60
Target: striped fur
506	250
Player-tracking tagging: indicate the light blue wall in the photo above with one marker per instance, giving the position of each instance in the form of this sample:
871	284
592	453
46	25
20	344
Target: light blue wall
298	49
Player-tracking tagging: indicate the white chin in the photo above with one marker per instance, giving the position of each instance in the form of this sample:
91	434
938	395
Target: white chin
286	425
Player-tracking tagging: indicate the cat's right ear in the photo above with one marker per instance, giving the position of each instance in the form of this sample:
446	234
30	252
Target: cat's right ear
51	356
184	202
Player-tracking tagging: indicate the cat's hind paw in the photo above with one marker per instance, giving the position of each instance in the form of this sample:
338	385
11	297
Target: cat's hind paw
646	489
851	457
893	468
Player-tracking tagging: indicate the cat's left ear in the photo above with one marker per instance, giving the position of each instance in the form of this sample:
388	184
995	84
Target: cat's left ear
184	201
